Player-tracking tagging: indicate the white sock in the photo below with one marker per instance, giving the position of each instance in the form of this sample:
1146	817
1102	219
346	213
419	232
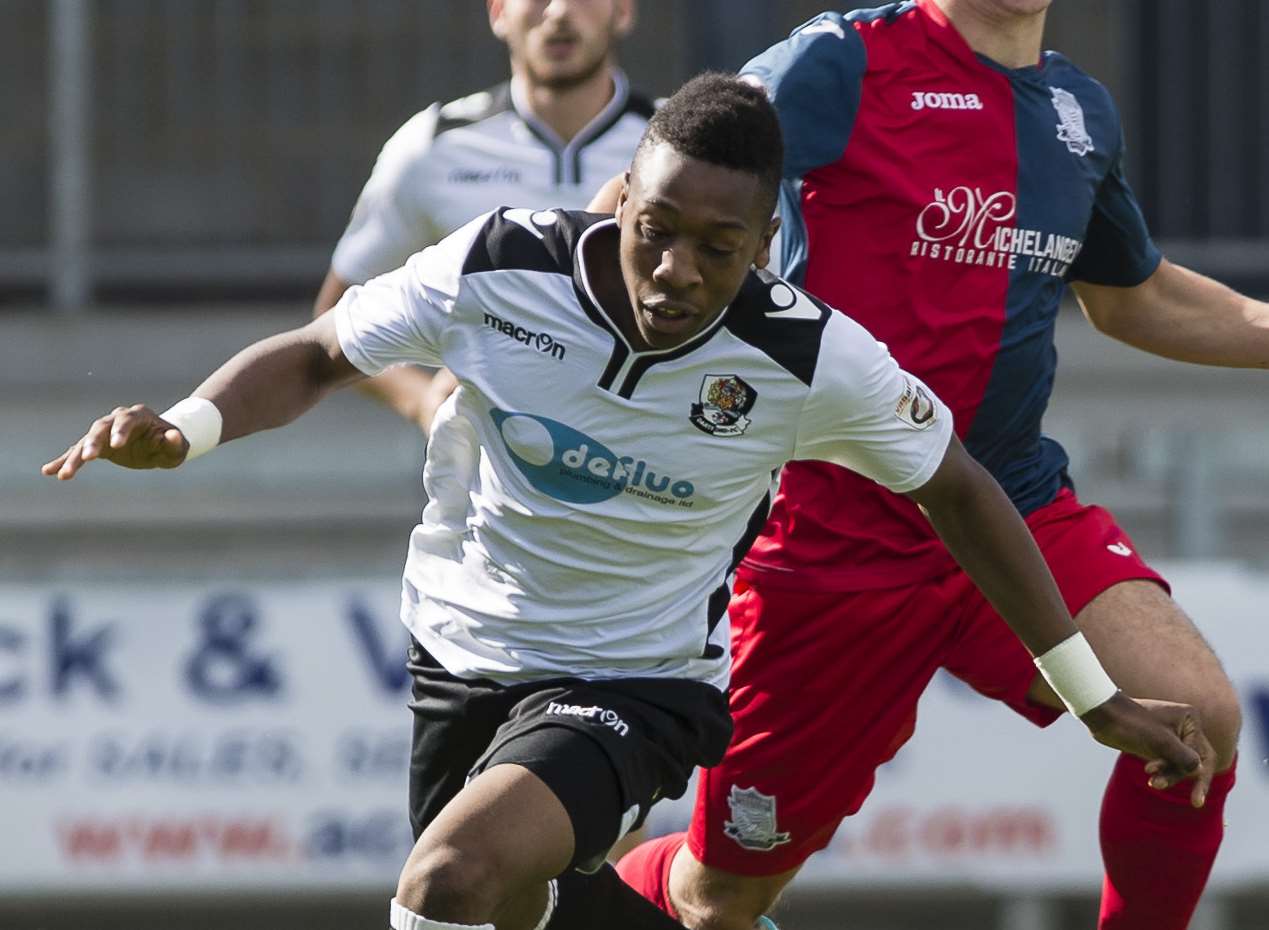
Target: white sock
552	896
402	918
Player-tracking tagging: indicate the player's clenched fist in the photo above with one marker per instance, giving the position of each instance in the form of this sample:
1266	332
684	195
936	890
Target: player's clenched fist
134	437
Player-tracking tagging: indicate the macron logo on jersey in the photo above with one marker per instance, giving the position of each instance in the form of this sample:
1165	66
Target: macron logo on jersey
543	342
500	175
928	100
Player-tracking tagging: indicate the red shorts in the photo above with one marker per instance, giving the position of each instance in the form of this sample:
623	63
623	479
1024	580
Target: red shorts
825	687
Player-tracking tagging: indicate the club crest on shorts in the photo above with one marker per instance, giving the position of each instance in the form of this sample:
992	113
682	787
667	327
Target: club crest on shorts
916	408
753	820
1070	127
724	401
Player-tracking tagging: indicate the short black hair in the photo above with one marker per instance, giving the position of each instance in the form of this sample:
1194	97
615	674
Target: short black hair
718	118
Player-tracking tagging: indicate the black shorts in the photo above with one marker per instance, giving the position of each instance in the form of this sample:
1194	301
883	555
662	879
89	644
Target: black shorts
607	749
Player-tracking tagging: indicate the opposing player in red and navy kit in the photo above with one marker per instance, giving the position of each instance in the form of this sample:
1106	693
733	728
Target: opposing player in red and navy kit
945	181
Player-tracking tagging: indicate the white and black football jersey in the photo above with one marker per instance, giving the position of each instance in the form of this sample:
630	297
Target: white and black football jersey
450	163
588	502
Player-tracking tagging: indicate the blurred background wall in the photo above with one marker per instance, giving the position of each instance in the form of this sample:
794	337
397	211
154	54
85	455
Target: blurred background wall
175	175
220	143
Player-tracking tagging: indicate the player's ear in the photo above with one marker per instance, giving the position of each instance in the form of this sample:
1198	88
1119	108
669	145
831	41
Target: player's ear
764	248
626	14
496	24
623	195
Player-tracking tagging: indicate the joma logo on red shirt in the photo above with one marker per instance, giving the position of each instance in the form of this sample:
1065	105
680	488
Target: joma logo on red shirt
922	100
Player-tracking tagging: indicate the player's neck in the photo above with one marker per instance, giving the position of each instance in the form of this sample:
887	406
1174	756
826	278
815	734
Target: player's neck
602	259
601	256
567	110
1010	39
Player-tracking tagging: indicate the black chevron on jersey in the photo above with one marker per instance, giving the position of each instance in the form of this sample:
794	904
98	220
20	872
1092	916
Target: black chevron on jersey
514	239
636	103
790	338
455	114
645	362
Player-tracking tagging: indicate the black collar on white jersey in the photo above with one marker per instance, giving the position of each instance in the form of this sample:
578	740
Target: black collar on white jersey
568	155
622	350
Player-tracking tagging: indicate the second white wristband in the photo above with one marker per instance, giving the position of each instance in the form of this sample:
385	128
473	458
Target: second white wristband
1073	671
199	422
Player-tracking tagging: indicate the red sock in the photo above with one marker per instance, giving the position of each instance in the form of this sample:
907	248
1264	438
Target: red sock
646	869
1158	849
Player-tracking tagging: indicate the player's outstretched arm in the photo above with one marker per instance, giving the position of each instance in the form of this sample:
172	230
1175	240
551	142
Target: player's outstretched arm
268	384
983	530
1180	314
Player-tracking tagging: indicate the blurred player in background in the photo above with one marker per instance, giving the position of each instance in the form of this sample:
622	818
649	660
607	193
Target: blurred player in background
567	590
565	123
945	180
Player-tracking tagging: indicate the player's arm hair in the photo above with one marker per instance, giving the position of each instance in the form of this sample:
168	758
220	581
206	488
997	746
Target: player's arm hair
414	393
985	533
1180	314
605	199
270	383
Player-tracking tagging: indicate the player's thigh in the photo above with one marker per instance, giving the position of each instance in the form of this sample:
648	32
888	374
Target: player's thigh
1087	553
824	690
454	722
1122	604
1152	649
609	750
502	836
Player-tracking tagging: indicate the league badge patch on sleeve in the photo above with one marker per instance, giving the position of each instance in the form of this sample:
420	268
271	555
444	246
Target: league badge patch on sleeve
725	399
916	407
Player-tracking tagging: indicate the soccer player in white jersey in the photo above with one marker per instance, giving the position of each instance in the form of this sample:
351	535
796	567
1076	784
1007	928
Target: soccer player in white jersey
629	386
566	122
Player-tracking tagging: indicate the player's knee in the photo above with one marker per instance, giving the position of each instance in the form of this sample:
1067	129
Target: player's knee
706	897
448	883
1222	718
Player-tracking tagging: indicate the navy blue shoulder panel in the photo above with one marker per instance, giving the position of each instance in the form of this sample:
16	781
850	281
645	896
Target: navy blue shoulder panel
1118	250
519	239
815	81
888	11
814	78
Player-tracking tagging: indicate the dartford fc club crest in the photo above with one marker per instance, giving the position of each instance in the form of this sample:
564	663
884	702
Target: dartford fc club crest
1070	127
725	399
753	820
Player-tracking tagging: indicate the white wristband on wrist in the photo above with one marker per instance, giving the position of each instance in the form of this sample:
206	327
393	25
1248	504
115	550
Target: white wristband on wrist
1072	670
199	422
